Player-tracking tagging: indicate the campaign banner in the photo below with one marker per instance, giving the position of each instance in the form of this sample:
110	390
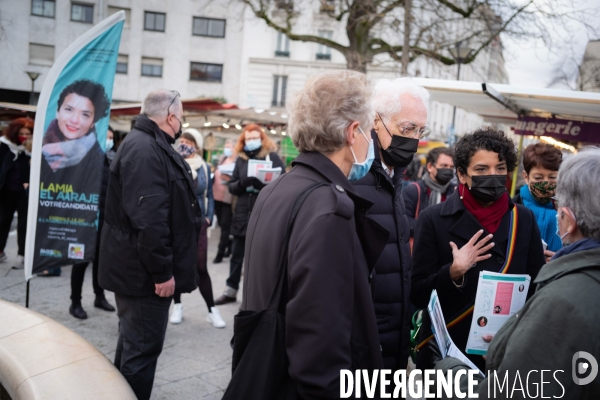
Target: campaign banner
561	129
69	142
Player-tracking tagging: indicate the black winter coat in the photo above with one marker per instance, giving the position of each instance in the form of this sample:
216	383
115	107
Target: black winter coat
393	269
432	257
246	200
330	319
152	217
7	162
411	196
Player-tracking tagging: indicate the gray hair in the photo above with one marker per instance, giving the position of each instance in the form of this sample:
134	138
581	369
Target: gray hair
156	103
578	189
322	110
387	92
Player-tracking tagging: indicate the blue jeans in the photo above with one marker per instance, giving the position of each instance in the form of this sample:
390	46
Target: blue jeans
142	326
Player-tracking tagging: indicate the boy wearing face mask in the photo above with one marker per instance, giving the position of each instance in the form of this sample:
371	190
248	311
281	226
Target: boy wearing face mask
437	184
400	121
540	170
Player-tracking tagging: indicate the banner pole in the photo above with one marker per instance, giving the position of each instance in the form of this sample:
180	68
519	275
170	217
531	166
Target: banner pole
27	295
516	172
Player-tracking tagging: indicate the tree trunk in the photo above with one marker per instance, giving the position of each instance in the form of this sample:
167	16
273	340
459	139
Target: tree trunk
406	45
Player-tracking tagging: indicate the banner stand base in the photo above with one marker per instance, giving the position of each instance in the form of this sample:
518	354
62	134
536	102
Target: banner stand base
27	295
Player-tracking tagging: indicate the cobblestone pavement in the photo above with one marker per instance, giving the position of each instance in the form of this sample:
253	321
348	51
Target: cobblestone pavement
196	358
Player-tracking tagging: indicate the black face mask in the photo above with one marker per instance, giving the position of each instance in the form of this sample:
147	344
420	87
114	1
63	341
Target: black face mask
178	133
400	152
444	175
488	188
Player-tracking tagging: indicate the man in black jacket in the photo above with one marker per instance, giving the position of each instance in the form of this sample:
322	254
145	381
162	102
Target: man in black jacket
435	187
400	120
149	239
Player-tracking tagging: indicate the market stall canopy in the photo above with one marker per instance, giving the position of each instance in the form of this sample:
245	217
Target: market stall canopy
501	103
197	105
534	111
116	110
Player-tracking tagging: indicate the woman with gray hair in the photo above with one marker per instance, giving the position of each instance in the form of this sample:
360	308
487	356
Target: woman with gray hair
330	321
557	328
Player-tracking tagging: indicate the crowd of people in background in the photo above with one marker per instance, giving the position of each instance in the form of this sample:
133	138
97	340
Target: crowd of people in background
380	228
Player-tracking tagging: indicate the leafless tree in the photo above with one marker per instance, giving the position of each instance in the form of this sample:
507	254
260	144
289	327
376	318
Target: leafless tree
376	27
578	73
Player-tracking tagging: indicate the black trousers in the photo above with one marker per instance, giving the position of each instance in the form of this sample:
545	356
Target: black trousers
11	201
142	327
238	247
224	214
77	276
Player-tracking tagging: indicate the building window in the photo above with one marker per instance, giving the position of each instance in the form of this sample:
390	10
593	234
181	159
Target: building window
152	66
327	6
154	21
279	90
122	62
206	72
113	10
41	54
43	8
209	27
283	45
324	52
287	5
82	13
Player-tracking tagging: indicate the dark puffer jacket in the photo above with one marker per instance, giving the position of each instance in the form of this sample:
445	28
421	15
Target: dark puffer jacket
393	269
246	200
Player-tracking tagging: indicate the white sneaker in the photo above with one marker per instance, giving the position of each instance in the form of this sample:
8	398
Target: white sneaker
177	314
214	317
3	257
20	263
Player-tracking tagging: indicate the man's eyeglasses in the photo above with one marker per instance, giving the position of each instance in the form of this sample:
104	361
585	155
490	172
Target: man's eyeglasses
410	131
414	132
176	93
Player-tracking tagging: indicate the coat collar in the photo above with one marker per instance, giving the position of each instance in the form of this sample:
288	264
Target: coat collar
569	263
467	225
146	125
326	168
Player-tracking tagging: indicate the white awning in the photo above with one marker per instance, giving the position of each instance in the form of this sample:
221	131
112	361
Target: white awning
503	103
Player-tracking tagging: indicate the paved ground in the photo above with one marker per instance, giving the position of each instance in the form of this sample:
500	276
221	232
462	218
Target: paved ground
196	359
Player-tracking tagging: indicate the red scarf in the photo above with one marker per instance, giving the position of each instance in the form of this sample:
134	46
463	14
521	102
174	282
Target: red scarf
489	217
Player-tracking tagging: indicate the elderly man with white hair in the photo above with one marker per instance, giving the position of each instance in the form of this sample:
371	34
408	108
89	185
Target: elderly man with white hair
400	108
149	239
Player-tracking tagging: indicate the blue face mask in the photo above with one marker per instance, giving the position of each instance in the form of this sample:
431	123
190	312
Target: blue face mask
359	170
558	227
227	152
109	144
253	144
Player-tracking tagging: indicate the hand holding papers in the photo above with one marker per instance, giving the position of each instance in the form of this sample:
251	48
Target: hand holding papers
499	296
263	170
438	326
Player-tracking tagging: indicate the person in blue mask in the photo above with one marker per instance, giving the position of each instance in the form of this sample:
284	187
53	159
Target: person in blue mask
400	121
333	246
253	144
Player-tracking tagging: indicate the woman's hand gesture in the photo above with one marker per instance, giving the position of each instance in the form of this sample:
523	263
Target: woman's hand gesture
470	254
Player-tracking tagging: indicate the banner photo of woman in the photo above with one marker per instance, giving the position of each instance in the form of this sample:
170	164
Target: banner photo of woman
68	155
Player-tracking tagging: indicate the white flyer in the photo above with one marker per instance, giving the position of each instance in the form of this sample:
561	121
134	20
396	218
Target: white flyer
255	165
268	175
444	341
499	296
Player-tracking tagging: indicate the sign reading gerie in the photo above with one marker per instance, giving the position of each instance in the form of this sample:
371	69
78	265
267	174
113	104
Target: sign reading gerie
562	129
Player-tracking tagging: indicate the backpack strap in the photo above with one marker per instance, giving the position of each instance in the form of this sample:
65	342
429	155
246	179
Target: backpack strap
418	198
